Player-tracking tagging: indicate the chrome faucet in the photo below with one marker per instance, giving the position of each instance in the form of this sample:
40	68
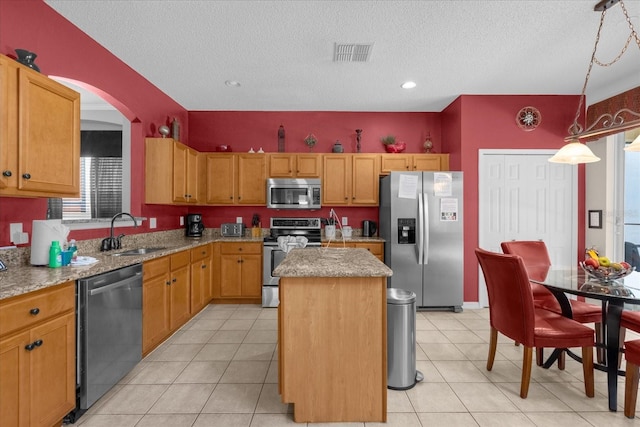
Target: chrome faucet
111	242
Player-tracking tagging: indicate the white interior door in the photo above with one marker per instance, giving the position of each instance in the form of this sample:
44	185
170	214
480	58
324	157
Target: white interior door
524	197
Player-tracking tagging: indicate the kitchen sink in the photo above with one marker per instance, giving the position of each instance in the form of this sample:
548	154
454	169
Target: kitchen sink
139	251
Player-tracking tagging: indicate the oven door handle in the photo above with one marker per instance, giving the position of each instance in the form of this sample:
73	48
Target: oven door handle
126	282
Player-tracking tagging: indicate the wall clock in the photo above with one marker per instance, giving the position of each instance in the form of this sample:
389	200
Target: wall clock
528	118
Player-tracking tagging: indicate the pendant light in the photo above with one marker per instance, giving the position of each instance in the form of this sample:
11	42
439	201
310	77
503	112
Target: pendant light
575	152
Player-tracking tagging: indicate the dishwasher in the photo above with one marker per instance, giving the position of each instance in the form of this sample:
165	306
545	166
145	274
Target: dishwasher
109	332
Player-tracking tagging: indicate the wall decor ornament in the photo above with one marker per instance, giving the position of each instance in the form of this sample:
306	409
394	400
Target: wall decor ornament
358	138
26	58
175	129
528	118
164	130
281	139
428	144
391	145
337	147
310	141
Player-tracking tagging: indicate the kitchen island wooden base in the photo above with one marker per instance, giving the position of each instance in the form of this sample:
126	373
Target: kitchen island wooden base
332	336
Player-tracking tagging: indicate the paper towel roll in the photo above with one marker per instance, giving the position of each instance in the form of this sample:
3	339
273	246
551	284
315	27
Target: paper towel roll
43	233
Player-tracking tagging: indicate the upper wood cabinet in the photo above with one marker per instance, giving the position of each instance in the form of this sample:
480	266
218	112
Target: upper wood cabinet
39	134
171	172
413	162
282	165
236	179
350	179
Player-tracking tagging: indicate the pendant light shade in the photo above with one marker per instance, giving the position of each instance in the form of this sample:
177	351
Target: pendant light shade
574	153
634	146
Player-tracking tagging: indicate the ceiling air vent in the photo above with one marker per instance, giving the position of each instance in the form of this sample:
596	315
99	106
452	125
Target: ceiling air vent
352	52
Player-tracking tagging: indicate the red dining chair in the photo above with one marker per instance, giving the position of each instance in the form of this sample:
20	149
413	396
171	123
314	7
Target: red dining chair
632	355
629	320
536	259
513	314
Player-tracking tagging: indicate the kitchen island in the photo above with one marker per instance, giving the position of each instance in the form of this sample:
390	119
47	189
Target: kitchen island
332	335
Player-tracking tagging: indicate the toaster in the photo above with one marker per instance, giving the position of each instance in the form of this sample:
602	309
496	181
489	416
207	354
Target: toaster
232	229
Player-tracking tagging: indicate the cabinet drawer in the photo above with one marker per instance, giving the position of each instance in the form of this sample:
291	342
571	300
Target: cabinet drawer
26	310
374	248
200	253
156	267
180	260
241	248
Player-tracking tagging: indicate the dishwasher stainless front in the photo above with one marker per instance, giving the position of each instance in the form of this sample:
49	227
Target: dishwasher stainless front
109	331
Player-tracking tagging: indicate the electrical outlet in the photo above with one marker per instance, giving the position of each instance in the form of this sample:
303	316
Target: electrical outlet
181	220
152	223
238	220
345	220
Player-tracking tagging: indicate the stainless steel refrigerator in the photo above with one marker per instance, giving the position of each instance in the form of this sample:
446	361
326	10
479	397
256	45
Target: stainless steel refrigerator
421	220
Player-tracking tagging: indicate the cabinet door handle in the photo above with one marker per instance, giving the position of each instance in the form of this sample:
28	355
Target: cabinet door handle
168	283
204	266
26	175
34	311
30	347
174	280
6	173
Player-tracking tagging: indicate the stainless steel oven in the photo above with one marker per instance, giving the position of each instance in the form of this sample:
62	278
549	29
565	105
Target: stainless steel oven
273	254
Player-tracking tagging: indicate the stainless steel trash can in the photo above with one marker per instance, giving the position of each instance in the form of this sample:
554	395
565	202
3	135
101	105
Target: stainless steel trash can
401	340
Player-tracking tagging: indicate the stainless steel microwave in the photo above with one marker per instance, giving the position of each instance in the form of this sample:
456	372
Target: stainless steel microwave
293	193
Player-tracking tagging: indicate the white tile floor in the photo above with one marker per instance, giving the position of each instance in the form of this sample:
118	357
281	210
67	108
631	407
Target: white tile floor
220	369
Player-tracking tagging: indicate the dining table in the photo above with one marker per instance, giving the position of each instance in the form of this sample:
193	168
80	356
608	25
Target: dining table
614	296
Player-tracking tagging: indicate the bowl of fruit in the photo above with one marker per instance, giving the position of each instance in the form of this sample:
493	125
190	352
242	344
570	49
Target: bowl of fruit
602	269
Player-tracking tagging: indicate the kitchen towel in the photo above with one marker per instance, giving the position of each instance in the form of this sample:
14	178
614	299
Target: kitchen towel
43	233
83	260
286	243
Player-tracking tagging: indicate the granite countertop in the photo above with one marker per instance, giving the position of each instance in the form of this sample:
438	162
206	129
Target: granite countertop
17	280
331	262
354	239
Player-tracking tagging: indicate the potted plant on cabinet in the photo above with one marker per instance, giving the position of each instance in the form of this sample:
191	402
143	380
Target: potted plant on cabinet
391	145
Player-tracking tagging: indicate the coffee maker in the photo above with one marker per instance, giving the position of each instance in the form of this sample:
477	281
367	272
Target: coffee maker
194	226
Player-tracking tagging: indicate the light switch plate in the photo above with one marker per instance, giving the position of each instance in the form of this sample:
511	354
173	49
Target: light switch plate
239	220
152	223
345	220
181	220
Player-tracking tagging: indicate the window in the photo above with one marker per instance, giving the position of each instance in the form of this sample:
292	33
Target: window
101	174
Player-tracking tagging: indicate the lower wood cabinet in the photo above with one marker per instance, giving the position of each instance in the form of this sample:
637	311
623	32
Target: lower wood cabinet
201	263
166	297
238	276
37	357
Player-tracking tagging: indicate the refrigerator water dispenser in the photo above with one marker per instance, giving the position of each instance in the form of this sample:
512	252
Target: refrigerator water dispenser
406	231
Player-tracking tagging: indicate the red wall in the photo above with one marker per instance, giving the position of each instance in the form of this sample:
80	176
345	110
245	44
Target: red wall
468	124
474	122
65	51
254	129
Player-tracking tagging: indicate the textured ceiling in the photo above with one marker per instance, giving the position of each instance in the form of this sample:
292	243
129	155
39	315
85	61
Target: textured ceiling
281	52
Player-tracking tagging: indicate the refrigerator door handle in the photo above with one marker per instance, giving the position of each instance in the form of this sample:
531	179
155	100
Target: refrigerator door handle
425	229
420	242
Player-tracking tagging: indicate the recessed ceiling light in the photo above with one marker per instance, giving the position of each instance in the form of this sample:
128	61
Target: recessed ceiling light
232	83
408	85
